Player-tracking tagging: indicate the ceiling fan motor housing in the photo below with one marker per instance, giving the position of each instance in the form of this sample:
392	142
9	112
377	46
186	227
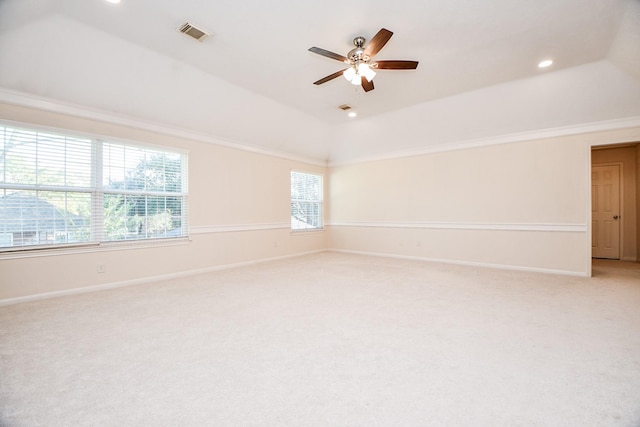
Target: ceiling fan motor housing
357	55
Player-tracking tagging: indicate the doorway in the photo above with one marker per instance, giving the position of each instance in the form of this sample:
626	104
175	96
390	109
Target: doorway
615	201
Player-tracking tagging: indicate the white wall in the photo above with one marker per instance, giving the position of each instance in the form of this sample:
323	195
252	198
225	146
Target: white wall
523	205
239	212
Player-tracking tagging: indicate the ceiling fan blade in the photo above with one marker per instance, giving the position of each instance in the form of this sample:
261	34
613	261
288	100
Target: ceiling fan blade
328	54
396	65
329	77
367	85
377	42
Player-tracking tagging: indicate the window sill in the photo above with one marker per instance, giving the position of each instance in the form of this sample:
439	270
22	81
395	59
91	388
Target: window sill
306	231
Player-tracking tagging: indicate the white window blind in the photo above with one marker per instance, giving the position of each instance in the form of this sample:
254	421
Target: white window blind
306	201
144	193
57	190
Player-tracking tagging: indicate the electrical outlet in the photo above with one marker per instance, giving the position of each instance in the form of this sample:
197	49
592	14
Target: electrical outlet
101	268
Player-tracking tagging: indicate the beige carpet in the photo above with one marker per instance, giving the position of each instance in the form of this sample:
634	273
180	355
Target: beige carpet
331	340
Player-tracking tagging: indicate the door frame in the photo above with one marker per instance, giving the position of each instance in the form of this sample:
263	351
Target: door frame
614	139
620	166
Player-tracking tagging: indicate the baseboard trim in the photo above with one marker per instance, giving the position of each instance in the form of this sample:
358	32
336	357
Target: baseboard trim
149	279
467	263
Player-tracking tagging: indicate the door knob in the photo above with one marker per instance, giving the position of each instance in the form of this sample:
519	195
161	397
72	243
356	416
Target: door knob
616	217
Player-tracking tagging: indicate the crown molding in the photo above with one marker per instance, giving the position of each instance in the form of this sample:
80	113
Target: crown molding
27	100
593	138
590	130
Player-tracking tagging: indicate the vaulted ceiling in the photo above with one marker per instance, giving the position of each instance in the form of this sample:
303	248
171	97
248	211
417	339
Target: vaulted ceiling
130	60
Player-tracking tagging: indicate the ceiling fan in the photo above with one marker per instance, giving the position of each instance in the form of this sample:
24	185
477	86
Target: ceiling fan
361	69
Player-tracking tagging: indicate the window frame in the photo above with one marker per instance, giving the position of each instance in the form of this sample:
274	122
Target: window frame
319	202
96	191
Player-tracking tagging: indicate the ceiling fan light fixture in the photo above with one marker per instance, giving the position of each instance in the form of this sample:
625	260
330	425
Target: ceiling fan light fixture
366	71
349	73
352	75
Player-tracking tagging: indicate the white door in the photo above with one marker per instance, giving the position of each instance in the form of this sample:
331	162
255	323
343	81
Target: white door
605	211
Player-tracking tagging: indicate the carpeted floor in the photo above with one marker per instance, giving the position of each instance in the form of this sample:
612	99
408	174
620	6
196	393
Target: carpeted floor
331	340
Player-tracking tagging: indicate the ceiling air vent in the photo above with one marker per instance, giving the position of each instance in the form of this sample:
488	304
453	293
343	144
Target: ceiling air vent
344	107
195	32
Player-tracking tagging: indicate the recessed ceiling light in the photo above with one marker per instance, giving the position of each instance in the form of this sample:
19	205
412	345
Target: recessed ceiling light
545	63
113	1
352	114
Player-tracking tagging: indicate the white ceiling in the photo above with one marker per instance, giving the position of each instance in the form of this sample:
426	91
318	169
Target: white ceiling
88	51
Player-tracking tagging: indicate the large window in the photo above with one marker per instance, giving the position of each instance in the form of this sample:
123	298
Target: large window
60	190
306	201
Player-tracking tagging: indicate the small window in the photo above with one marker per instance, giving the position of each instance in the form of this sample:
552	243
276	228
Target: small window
306	201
